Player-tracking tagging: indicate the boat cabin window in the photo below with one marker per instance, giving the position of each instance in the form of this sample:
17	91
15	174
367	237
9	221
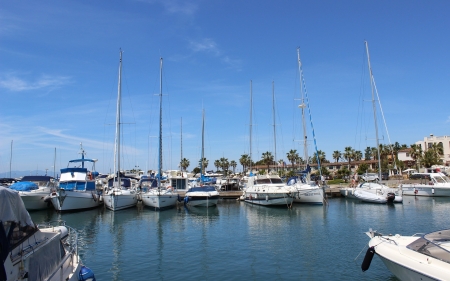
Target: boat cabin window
263	181
442	179
275	180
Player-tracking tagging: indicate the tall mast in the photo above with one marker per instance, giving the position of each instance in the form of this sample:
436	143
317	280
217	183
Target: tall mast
251	108
54	165
118	112
374	109
181	143
203	143
160	125
303	108
274	125
10	159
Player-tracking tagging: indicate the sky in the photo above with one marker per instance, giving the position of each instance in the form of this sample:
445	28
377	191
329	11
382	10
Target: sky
59	63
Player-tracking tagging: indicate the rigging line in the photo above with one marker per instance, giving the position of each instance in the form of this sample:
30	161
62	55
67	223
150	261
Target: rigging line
310	119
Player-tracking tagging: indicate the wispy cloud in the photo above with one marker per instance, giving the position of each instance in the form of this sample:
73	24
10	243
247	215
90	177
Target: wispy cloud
176	6
208	45
16	84
448	120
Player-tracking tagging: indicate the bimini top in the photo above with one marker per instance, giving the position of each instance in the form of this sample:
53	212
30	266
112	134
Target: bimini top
83	160
12	208
36	178
432	244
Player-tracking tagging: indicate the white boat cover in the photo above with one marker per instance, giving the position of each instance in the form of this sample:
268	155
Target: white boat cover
12	208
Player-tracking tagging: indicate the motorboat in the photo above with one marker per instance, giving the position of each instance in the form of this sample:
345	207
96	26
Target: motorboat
76	190
377	189
416	257
268	190
35	191
202	192
36	252
201	196
427	184
377	197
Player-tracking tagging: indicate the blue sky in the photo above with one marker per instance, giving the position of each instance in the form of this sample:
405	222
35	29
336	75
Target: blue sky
59	70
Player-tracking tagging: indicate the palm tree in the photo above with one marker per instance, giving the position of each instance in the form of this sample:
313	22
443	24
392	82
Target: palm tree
244	160
337	155
184	164
217	164
416	154
321	155
205	164
292	156
349	153
267	158
224	164
233	164
367	153
358	155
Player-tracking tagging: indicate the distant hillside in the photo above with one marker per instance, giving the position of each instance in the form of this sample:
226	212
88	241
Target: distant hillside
18	174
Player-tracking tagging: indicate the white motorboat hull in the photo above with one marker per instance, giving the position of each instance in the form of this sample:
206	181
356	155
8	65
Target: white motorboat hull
64	200
268	199
412	257
158	202
309	196
35	200
349	192
370	197
425	190
118	201
208	202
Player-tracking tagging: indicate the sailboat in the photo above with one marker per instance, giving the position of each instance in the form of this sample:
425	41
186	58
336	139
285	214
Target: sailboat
159	197
373	192
120	193
306	191
76	189
266	190
201	194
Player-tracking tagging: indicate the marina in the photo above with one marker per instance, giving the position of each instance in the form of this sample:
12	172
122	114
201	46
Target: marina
236	241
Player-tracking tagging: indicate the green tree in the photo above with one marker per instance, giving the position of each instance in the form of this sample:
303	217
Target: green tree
292	156
184	164
224	165
368	153
245	161
337	155
267	158
217	164
416	154
233	164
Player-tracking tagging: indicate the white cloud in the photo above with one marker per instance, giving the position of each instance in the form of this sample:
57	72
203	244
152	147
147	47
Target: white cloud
16	84
176	6
205	45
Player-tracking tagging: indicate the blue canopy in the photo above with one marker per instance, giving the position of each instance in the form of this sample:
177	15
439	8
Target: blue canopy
36	178
81	160
24	186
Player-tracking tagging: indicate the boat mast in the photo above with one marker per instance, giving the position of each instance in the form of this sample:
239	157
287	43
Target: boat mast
251	108
374	109
302	106
54	165
10	159
118	112
181	144
274	126
203	146
160	125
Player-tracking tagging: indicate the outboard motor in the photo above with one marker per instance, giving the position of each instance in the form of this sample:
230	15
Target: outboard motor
390	197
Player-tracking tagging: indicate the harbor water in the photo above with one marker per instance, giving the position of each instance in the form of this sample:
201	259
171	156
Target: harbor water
239	241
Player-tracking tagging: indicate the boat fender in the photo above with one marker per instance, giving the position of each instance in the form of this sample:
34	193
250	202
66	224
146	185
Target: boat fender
86	274
267	197
432	190
368	258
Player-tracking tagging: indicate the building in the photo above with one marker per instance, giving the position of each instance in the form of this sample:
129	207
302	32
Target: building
443	141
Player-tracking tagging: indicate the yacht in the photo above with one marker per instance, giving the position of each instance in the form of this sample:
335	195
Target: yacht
36	252
268	190
35	191
76	189
416	257
427	184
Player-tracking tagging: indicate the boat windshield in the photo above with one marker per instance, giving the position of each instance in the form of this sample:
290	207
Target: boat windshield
432	245
442	179
269	181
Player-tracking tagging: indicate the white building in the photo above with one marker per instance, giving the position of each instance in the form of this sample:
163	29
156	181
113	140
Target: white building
444	141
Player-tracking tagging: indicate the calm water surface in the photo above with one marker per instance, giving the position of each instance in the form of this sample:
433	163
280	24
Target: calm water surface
238	241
